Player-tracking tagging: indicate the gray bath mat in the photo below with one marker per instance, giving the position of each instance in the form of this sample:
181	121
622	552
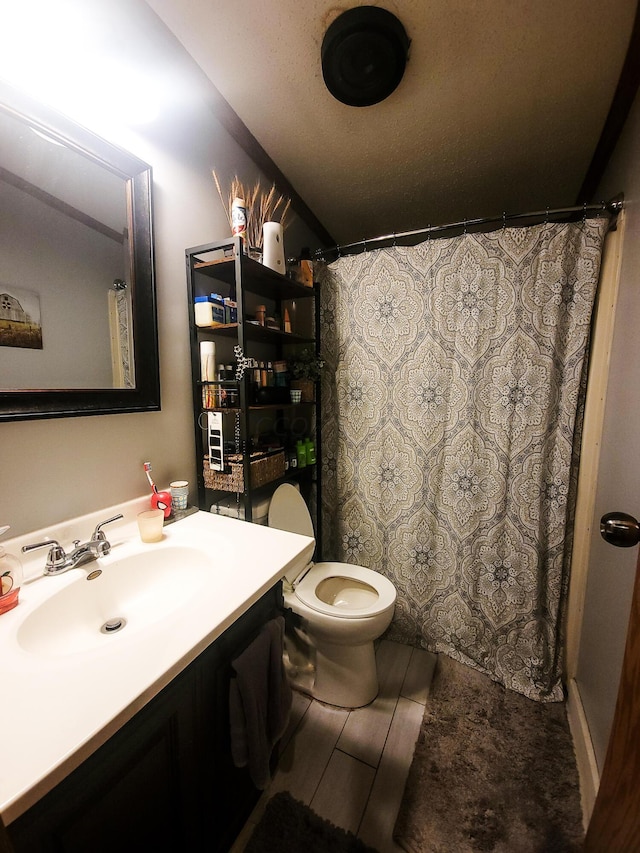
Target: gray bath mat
288	826
492	771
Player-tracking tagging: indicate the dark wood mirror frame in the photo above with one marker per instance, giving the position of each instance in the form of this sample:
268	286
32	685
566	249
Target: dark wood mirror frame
145	396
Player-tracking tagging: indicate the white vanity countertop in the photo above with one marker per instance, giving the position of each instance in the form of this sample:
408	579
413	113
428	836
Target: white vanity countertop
57	709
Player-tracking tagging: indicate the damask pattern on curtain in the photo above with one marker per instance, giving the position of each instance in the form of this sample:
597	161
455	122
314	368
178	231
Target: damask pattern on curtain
450	410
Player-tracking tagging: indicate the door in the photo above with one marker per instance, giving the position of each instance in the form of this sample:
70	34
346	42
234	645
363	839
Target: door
615	822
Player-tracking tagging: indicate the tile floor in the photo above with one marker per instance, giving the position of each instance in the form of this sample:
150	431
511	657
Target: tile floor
350	767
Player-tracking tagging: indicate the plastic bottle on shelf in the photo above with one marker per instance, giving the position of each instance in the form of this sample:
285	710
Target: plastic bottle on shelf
293	457
310	451
306	267
203	311
256	382
301	453
222	391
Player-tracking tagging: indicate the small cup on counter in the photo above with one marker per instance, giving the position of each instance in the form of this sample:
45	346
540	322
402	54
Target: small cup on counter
179	494
150	524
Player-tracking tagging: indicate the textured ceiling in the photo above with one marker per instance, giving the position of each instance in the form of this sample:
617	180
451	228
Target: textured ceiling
500	108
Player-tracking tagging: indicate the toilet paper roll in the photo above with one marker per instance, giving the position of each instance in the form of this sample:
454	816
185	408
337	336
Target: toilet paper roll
273	246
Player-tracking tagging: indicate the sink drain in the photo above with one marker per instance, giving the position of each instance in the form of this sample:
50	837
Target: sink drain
111	626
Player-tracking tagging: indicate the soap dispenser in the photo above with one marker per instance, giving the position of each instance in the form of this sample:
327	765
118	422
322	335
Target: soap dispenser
10	577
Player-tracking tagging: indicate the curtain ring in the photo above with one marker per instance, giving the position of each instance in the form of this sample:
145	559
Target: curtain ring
465	225
394	240
584	212
364	244
504	219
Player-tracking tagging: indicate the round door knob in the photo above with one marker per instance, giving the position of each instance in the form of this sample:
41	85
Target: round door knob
620	529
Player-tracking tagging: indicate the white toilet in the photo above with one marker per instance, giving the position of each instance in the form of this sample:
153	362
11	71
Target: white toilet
344	608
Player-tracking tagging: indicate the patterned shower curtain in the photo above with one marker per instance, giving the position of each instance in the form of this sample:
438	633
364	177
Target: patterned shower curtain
451	412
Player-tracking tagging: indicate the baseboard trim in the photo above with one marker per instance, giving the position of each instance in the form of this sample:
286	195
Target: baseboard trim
585	755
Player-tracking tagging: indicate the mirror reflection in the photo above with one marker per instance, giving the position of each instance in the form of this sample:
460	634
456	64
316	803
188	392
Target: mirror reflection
64	241
78	319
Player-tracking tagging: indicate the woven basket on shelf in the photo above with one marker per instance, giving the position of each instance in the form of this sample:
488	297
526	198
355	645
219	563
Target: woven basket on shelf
264	469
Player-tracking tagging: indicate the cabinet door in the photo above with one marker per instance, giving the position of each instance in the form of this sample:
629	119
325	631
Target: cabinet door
228	793
164	782
135	793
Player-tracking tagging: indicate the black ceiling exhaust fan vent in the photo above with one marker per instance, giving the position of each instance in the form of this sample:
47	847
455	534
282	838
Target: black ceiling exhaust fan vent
364	54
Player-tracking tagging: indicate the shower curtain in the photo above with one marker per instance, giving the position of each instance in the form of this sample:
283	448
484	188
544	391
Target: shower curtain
451	413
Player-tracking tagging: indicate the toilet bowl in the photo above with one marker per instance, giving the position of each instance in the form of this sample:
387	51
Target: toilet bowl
343	608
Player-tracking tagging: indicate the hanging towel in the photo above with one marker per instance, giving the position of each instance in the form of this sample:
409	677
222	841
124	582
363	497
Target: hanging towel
259	702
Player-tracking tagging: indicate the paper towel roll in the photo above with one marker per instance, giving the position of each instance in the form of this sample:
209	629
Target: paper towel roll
273	246
208	373
207	361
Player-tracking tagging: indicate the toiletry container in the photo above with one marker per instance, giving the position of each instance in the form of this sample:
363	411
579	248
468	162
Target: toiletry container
239	217
10	577
203	310
273	246
217	309
232	508
310	451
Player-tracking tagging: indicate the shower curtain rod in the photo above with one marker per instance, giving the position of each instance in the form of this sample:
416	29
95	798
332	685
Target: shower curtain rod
608	208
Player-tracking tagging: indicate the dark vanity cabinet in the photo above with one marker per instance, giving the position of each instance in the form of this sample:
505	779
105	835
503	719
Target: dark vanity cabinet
165	781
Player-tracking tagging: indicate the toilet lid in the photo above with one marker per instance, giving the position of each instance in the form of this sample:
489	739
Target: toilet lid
288	511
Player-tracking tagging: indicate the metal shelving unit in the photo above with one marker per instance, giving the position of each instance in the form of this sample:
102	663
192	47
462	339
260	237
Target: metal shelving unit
223	267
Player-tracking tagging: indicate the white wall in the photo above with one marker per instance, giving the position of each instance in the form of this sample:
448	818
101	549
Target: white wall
55	469
612	570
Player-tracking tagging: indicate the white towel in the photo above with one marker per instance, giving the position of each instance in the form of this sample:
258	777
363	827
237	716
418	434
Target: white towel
259	702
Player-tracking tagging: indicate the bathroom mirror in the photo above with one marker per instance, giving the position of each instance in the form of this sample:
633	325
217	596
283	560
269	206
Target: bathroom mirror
78	328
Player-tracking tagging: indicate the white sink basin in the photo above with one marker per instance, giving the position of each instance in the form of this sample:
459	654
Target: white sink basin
129	593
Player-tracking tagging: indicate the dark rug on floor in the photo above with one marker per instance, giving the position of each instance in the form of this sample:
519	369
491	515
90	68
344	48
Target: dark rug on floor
492	771
288	826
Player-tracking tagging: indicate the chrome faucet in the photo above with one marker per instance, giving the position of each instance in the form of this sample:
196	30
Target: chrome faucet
59	561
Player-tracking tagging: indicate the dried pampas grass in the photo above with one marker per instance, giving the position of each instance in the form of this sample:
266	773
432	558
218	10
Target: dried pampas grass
261	207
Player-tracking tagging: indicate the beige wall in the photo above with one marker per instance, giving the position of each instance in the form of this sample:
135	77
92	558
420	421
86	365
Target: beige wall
56	469
612	570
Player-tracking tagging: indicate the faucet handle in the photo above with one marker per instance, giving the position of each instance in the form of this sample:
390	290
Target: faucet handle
56	557
98	533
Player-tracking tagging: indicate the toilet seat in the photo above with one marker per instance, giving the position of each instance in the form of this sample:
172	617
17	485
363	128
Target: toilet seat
377	595
369	595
